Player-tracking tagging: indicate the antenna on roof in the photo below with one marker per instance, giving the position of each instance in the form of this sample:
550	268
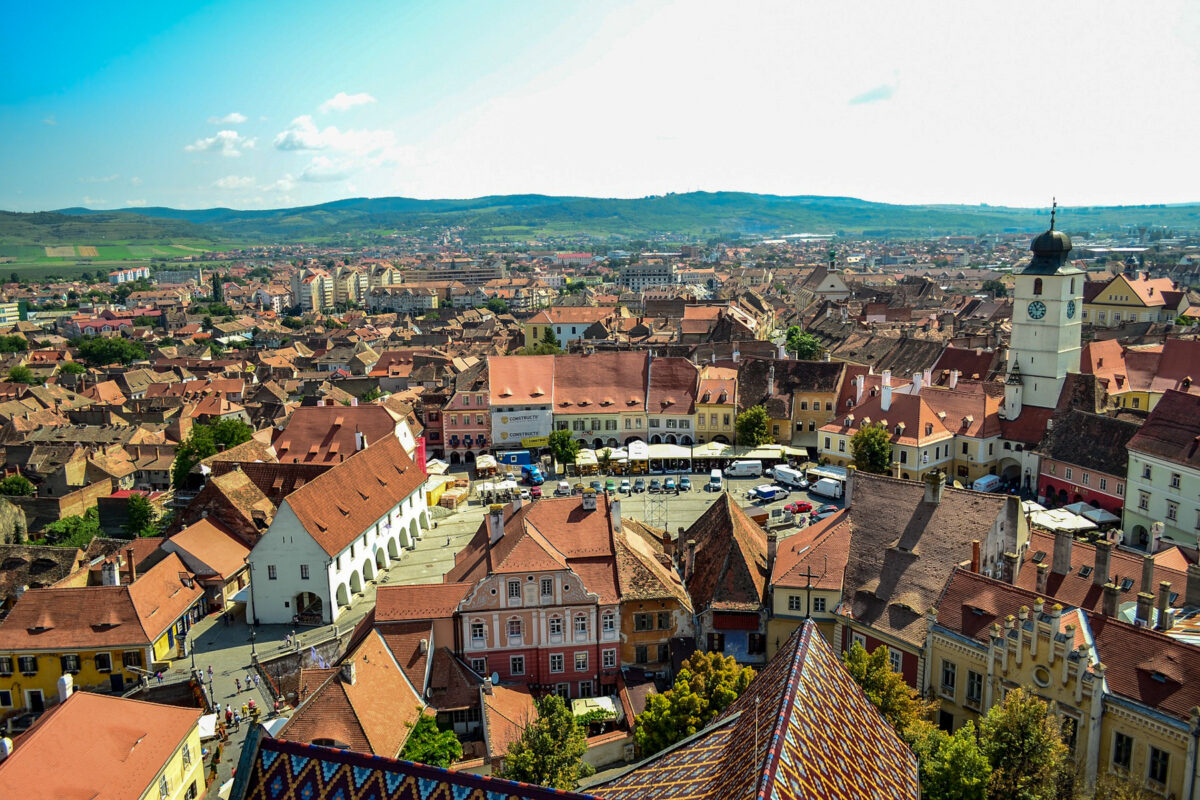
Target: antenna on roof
1053	209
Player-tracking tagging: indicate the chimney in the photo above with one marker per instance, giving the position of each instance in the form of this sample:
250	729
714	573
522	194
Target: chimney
360	441
516	502
1103	562
1145	602
588	500
132	565
772	549
349	673
66	687
1164	602
495	522
737	355
859	382
487	685
771	380
975	556
1061	561
6	747
916	385
848	490
885	397
782	354
614	514
1156	531
690	564
1043	577
1012	565
423	647
935	484
1111	597
885	378
927	378
110	572
1147	574
954	378
1191	596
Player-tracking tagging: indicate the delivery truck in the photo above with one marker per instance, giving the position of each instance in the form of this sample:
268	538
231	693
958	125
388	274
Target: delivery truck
827	487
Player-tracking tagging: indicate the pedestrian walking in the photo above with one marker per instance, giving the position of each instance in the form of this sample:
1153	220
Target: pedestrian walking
249	681
257	679
159	676
210	673
228	716
237	720
245	710
237	682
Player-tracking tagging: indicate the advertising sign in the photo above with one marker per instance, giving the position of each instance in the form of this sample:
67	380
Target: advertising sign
512	428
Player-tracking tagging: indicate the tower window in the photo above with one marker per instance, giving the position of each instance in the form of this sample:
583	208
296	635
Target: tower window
1037	286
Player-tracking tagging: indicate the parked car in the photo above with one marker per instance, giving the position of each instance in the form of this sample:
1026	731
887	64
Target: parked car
799	507
525	494
610	486
639	485
563	490
669	485
625	486
599	487
685	484
535	493
655	486
823	512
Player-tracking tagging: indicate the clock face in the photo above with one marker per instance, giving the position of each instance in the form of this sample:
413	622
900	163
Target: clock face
1070	309
1037	309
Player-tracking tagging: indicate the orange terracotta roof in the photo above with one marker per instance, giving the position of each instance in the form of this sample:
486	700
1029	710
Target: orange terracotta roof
395	603
341	503
128	742
211	543
507	710
824	547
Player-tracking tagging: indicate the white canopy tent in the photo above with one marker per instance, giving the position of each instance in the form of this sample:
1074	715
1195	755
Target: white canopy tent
1060	519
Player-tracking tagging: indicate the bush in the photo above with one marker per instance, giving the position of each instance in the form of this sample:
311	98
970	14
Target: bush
17	485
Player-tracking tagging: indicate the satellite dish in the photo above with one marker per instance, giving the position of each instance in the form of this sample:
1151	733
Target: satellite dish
495	678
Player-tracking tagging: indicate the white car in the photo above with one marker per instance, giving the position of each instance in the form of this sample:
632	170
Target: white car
525	494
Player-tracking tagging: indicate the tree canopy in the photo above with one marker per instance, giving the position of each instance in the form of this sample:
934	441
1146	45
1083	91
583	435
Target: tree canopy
803	346
995	287
550	750
75	531
496	306
706	685
1022	740
72	368
16	485
13	344
563	447
140	517
871	447
754	427
20	373
98	351
428	744
205	441
898	702
952	767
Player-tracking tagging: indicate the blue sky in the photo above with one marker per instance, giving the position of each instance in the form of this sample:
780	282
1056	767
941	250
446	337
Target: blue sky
266	104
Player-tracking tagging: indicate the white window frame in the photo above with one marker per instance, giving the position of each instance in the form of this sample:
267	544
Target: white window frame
512	665
560	666
608	658
581	658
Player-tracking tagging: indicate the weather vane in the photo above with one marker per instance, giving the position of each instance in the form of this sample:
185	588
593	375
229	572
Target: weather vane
1053	208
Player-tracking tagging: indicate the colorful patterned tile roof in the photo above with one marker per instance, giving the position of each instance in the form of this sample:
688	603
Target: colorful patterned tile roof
275	769
802	730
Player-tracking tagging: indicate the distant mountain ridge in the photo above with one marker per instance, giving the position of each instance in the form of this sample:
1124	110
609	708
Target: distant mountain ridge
518	217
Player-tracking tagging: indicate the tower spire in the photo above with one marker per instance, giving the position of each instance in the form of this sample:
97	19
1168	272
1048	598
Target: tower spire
1053	208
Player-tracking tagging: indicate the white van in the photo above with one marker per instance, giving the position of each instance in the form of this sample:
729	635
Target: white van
827	487
714	481
988	483
744	469
790	477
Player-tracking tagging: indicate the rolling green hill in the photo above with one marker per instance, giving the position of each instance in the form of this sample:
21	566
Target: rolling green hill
519	217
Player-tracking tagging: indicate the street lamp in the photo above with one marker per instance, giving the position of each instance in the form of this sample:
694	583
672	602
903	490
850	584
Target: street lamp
191	640
253	652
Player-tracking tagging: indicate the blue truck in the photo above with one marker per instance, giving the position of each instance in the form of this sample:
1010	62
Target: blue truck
532	475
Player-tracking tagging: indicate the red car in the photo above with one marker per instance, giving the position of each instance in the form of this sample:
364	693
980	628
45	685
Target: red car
535	493
799	507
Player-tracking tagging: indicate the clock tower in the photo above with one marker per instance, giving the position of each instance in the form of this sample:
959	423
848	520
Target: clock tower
1046	327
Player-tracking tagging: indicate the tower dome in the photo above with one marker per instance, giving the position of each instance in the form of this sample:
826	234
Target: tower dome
1051	250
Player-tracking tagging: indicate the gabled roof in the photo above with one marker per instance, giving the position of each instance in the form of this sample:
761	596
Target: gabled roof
327	434
342	502
128	742
821	548
730	568
419	601
803	730
210	542
1172	431
644	572
1091	441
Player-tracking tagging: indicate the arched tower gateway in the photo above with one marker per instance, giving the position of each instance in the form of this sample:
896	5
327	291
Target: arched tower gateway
1046	327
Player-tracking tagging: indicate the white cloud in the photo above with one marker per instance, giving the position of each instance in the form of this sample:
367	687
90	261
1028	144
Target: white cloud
322	169
93	201
303	134
228	143
50	120
233	118
234	182
135	203
100	179
342	101
135	181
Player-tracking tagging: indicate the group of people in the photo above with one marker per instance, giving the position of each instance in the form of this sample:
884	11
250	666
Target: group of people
234	715
252	680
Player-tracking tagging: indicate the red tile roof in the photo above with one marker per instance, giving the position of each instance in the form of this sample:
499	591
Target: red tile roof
422	601
123	744
326	434
516	380
341	503
730	568
211	543
1172	431
600	383
822	547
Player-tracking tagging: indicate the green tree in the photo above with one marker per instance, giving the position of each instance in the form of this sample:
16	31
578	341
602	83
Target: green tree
496	306
372	394
16	485
550	750
23	374
432	315
75	531
872	449
540	349
72	368
563	447
205	441
754	427
706	685
952	767
995	287
803	346
218	289
549	338
897	702
140	517
13	344
1022	740
293	323
428	744
99	351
